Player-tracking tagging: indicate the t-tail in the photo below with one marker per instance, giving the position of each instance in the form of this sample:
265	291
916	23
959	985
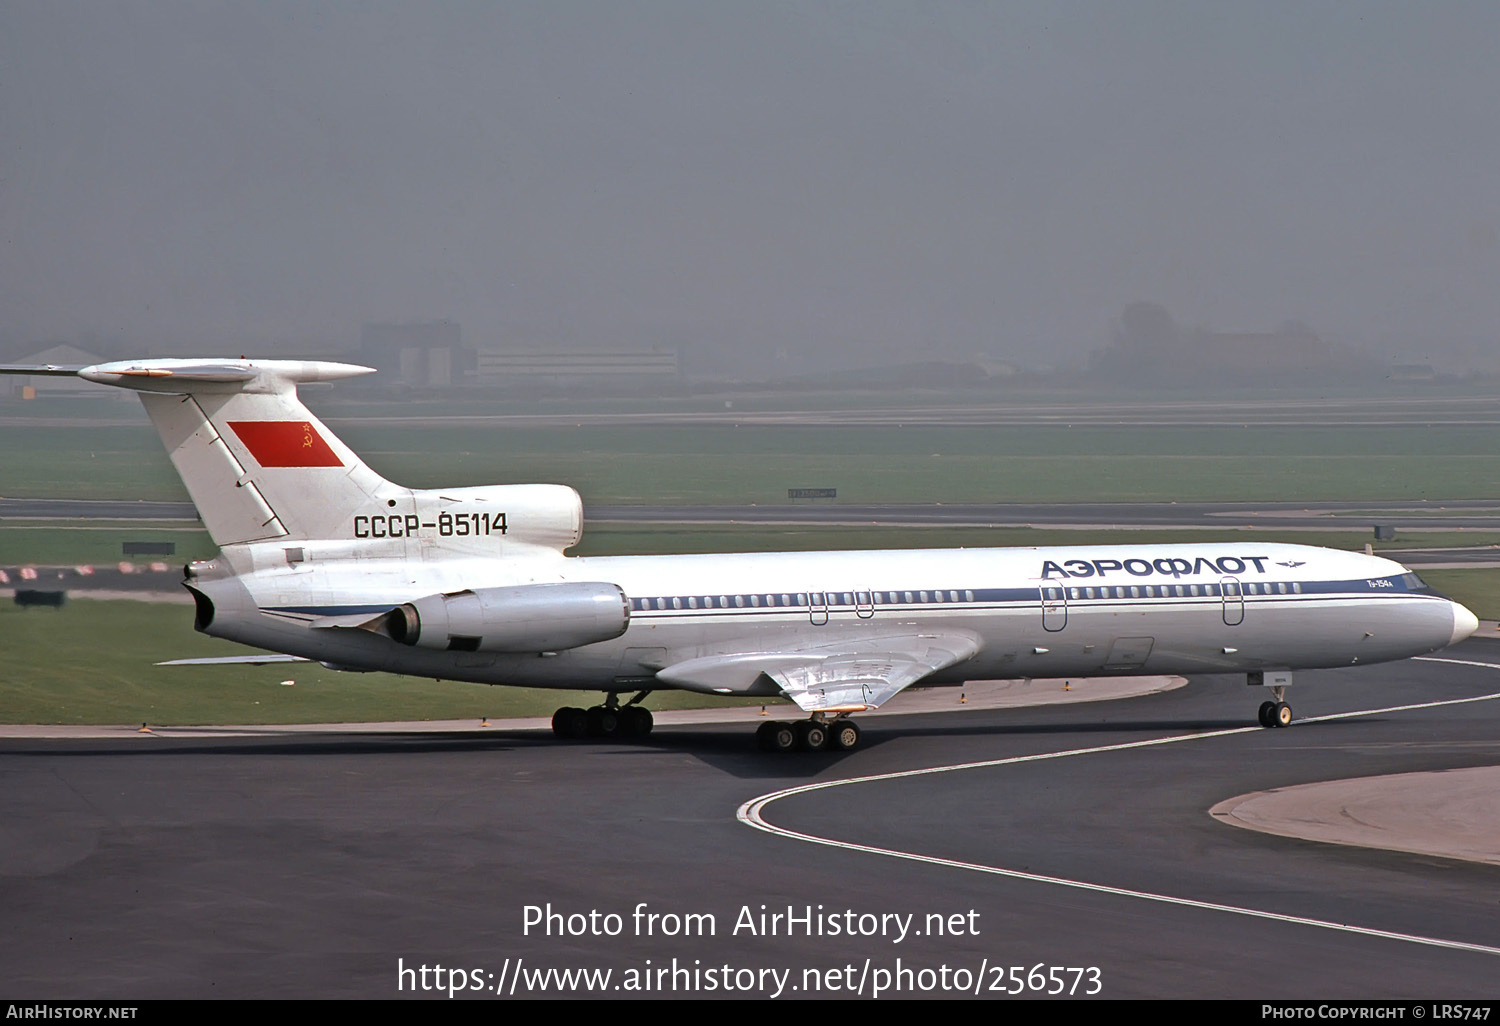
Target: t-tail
261	468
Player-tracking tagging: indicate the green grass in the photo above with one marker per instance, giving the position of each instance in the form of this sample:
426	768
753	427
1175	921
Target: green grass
714	463
92	662
1477	589
96	543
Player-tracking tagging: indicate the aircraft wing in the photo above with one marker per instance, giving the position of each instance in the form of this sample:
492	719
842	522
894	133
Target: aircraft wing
846	676
264	659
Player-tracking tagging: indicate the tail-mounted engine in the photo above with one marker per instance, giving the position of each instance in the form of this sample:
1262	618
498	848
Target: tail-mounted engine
523	618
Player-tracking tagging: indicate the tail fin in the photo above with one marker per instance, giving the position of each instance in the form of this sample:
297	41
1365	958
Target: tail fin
255	460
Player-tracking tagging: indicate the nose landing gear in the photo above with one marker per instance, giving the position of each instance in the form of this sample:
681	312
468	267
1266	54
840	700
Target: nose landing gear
1275	713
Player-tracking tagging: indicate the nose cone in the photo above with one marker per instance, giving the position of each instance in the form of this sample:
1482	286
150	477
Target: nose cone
1465	623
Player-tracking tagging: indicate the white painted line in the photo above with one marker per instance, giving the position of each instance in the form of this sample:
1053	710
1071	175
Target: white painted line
751	813
1457	662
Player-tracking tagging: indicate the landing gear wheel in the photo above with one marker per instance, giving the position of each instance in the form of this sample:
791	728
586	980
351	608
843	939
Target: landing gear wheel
635	721
812	736
1281	716
570	723
603	721
765	736
843	736
776	737
1267	710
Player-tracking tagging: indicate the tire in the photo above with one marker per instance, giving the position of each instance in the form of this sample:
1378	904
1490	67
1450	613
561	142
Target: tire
811	736
1282	716
765	736
644	721
570	723
843	736
634	721
1267	711
783	737
603	722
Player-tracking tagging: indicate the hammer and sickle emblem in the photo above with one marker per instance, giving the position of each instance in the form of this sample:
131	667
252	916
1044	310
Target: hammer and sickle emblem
307	439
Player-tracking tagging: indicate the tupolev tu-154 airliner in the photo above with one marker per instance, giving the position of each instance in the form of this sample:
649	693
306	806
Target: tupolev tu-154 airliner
322	559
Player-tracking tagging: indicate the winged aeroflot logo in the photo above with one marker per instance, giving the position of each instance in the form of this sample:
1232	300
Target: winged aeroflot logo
1291	563
285	443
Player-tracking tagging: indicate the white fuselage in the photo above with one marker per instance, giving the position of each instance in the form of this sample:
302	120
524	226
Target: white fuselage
1035	612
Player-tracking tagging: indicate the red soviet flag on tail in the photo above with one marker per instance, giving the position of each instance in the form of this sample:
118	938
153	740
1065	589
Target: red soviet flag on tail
285	443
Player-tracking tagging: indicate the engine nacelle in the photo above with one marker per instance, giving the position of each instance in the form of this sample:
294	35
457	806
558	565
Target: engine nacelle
521	618
486	520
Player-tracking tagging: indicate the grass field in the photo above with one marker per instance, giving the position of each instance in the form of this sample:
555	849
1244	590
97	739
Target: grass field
93	662
723	464
96	543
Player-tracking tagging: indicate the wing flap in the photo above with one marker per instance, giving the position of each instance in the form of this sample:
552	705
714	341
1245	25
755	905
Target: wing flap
264	659
847	676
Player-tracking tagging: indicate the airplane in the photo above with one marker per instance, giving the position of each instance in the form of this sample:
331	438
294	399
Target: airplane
322	559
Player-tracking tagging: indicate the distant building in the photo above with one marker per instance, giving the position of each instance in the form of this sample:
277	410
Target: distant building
426	354
1149	347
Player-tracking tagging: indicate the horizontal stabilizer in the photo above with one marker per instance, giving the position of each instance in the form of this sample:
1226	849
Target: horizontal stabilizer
230	375
41	370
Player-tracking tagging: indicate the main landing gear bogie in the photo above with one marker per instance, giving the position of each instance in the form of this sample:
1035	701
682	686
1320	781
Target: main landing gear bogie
610	720
840	735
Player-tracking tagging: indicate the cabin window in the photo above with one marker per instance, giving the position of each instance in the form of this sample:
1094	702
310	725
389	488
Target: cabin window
1297	588
968	596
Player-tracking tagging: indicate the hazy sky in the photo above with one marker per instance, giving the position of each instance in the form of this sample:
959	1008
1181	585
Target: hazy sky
973	177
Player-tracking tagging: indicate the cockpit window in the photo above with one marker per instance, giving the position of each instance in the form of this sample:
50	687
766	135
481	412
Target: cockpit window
1412	582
